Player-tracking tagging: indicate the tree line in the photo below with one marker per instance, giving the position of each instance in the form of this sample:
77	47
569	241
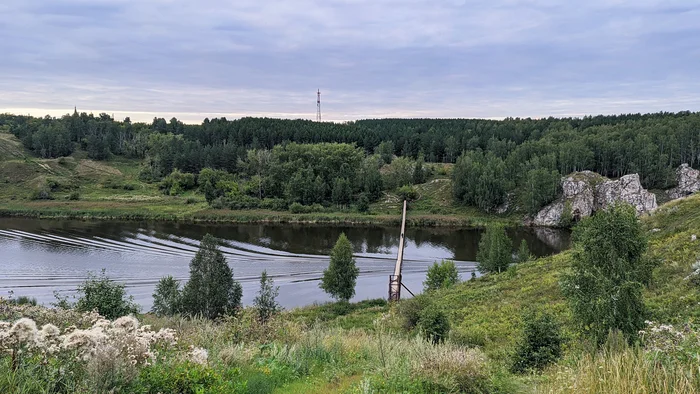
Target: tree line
515	161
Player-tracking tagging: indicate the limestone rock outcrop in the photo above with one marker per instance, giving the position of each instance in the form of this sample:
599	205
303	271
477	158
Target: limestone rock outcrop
688	180
586	192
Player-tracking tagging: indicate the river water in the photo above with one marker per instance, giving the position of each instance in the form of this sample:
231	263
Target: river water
39	257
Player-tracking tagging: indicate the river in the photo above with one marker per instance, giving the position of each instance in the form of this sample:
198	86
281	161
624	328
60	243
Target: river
40	257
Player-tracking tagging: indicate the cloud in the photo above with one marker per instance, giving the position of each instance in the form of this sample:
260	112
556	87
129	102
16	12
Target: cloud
378	58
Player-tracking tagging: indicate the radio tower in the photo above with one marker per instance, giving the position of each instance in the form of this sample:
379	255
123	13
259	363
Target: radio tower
318	105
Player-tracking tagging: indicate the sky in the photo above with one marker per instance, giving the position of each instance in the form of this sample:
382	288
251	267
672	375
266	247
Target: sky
370	58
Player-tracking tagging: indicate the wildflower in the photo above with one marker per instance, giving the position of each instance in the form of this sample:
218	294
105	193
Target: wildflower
127	323
24	330
198	355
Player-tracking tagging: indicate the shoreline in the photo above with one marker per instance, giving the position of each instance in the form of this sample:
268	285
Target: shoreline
143	212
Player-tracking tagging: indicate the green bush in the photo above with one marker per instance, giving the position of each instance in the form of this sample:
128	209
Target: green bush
185	378
410	310
441	276
177	182
74	196
275	204
295	207
106	296
363	203
41	193
469	337
434	325
408	193
540	344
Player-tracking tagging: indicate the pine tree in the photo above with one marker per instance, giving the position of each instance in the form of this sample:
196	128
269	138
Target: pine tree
211	290
341	276
523	252
266	300
495	250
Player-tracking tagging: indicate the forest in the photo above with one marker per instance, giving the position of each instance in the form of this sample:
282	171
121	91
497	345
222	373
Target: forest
274	163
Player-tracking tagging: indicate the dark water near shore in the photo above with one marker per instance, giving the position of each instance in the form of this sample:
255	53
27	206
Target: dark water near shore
38	257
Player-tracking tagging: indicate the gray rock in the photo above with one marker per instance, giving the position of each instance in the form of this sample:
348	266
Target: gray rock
587	192
688	180
627	189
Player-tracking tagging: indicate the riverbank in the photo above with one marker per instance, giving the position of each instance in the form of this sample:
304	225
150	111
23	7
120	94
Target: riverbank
178	210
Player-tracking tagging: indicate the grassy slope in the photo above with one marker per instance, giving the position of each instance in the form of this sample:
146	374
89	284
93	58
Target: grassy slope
21	174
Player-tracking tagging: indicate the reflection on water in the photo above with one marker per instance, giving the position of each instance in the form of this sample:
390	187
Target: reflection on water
38	257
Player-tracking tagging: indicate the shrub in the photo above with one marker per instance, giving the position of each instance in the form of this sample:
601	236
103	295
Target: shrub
469	337
408	193
167	299
410	310
434	325
266	301
74	196
177	182
363	203
441	276
106	296
275	204
295	207
211	290
41	193
540	344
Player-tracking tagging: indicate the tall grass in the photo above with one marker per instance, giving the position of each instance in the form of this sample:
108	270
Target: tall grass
628	371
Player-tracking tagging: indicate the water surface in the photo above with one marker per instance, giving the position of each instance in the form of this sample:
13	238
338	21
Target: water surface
38	257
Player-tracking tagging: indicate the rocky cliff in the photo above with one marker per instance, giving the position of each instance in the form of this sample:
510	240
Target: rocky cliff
586	192
688	181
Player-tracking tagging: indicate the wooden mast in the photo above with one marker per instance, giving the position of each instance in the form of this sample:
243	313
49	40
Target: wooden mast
395	279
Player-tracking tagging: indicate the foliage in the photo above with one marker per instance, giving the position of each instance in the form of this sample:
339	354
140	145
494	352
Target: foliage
442	275
266	300
167	298
434	325
177	182
211	290
479	180
567	216
341	275
523	252
540	345
608	273
107	297
408	193
540	188
494	254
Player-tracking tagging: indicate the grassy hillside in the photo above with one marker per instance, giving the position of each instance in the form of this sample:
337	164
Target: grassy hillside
112	190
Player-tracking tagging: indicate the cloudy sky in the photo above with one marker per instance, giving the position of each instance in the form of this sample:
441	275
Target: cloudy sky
370	58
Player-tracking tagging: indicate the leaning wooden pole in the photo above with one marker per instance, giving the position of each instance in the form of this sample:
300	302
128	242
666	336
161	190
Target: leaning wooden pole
395	279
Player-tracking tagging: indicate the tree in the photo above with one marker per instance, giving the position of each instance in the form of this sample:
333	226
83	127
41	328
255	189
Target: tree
494	254
418	171
540	344
340	277
341	192
540	188
167	298
523	252
106	296
266	300
608	273
211	290
441	276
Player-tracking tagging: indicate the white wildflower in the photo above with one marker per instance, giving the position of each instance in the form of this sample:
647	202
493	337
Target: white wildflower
24	330
198	355
127	323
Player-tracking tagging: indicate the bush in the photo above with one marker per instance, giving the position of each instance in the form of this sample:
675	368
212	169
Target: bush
42	193
177	182
275	204
434	325
340	277
495	248
106	296
363	203
523	252
540	344
266	301
408	193
295	207
441	276
167	299
469	337
74	196
410	310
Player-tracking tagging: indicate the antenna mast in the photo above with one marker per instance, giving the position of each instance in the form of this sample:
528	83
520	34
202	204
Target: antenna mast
318	105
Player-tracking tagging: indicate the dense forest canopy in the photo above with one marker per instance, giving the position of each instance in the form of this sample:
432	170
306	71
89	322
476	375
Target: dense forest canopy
321	163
